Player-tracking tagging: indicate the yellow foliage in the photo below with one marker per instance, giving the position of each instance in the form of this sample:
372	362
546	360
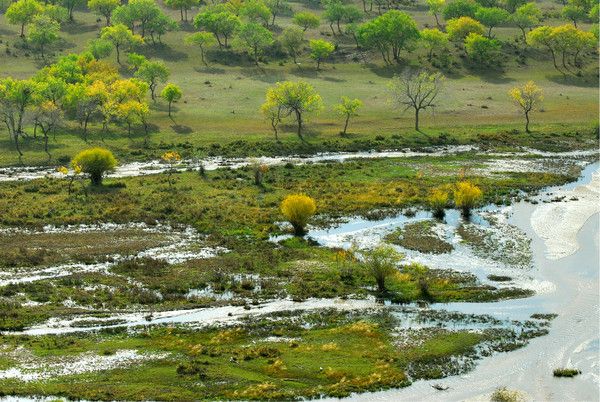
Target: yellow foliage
438	199
528	96
467	195
171	157
297	209
329	347
63	170
277	367
226	335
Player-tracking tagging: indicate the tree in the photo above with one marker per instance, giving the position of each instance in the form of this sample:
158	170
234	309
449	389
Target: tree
541	37
319	50
256	11
307	20
347	108
22	12
133	112
219	22
571	42
292	40
204	40
273	112
135	61
435	8
434	39
183	6
84	102
458	29
254	39
70	6
390	33
121	37
159	26
142	12
171	93
277	7
460	8
527	17
418	91
47	116
99	48
103	8
492	17
55	13
298	209
482	50
574	14
381	262
528	98
334	13
171	158
43	31
467	196
297	98
95	162
153	72
16	96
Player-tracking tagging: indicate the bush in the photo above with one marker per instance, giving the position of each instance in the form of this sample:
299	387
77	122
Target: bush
297	209
506	395
566	372
381	262
438	199
467	196
95	162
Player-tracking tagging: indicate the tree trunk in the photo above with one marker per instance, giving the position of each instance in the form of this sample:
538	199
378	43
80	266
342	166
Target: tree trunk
299	119
527	122
118	55
437	21
16	137
96	179
22	30
46	143
346	124
417	119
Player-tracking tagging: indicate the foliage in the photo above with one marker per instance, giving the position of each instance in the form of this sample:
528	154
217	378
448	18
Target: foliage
434	39
171	93
298	209
389	33
218	21
435	8
99	48
21	12
253	39
95	162
460	8
204	40
306	20
492	17
183	6
297	98
43	31
103	8
458	29
319	50
347	108
121	38
153	72
381	262
256	11
292	40
527	17
467	196
482	50
528	98
438	200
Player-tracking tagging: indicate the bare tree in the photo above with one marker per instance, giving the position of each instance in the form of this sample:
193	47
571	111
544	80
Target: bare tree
416	90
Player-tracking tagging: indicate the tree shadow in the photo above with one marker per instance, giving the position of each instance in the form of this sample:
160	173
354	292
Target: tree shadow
181	129
333	79
77	28
163	51
209	70
267	75
305	72
585	81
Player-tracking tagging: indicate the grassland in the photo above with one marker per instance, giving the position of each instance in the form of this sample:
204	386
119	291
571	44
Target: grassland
220	104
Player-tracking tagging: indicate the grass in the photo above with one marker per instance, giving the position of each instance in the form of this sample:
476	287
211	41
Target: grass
420	236
504	394
566	372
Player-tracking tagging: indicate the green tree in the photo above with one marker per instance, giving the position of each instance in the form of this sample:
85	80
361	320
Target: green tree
527	17
295	98
152	73
70	6
48	117
219	22
434	39
159	26
204	40
416	90
292	40
460	8
541	37
435	9
254	39
121	37
22	12
99	48
347	108
319	50
389	33
492	17
95	162
381	262
482	50
458	29
16	96
256	11
171	93
571	42
334	13
277	7
306	20
574	14
183	6
43	31
103	8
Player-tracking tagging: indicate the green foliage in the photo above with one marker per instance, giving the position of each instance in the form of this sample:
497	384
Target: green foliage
121	38
204	40
319	50
483	51
22	12
492	17
434	40
526	16
292	40
153	73
458	29
254	39
171	93
574	13
390	34
95	162
381	262
43	31
306	20
183	6
218	21
256	11
460	8
103	8
347	108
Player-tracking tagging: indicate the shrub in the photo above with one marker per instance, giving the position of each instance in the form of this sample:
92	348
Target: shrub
566	372
381	262
467	196
297	209
95	162
438	199
506	395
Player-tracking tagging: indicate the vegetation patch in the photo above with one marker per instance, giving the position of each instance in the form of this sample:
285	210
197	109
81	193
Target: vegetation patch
420	236
566	372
